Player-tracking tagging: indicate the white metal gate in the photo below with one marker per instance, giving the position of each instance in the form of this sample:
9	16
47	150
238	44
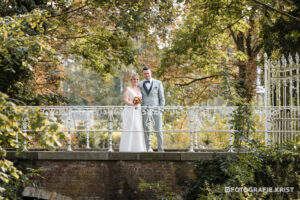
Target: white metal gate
282	84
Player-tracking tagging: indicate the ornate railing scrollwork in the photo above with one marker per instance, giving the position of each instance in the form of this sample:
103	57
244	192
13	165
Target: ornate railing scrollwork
197	122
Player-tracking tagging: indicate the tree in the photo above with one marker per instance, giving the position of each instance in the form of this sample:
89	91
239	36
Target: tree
283	36
103	34
98	34
23	47
17	7
216	37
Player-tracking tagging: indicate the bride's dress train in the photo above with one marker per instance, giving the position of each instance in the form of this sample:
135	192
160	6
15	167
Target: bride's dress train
132	139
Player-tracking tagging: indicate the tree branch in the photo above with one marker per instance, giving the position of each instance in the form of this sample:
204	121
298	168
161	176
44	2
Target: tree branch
70	11
17	101
240	42
233	36
249	35
197	79
232	24
71	37
185	77
256	48
276	10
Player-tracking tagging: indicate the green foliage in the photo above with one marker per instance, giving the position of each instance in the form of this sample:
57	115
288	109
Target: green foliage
160	190
242	120
215	34
103	35
22	46
243	125
283	36
98	34
263	168
207	172
12	120
139	16
14	187
105	51
108	32
16	7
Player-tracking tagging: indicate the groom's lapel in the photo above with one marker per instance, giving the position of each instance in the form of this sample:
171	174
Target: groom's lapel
145	88
151	87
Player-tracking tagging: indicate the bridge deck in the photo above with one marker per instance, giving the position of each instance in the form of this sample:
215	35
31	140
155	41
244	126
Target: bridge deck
110	156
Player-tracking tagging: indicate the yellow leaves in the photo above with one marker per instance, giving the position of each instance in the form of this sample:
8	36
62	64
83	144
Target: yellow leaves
7	169
21	33
108	76
241	26
5	180
52	50
84	2
33	25
15	175
29	19
4	33
241	56
3	117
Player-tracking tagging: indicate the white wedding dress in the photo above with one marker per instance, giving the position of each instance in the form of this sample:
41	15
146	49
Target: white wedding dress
132	139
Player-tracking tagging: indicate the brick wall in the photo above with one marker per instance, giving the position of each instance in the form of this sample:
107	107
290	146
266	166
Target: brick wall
109	179
104	175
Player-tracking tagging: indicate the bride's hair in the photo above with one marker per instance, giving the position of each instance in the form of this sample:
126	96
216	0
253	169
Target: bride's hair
134	75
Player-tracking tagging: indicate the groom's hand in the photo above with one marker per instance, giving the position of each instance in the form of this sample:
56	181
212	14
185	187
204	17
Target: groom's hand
159	109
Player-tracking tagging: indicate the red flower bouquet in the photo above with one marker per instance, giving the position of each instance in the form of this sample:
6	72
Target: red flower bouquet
137	100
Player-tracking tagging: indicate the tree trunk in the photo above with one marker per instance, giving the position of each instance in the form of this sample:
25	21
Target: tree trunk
246	81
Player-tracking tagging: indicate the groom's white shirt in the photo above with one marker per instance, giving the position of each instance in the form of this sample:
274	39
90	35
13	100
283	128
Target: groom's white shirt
148	85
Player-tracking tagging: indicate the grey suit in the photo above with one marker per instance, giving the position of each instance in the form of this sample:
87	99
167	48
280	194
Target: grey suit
154	97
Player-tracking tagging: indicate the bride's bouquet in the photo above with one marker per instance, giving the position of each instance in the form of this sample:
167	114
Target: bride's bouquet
137	100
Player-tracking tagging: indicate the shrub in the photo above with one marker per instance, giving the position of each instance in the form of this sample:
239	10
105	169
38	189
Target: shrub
266	167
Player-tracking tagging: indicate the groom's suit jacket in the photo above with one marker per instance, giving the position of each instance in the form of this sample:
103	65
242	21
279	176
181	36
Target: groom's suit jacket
154	97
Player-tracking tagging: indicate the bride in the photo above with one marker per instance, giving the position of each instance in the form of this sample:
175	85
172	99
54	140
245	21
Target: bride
132	139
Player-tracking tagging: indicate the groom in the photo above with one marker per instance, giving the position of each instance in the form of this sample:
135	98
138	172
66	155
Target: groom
153	95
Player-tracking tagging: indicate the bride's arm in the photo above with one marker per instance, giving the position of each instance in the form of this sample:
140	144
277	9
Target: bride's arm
125	98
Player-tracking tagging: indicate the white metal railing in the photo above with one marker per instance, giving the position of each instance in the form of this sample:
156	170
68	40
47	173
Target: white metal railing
277	128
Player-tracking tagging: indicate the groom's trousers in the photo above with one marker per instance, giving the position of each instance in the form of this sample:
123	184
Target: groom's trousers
157	117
